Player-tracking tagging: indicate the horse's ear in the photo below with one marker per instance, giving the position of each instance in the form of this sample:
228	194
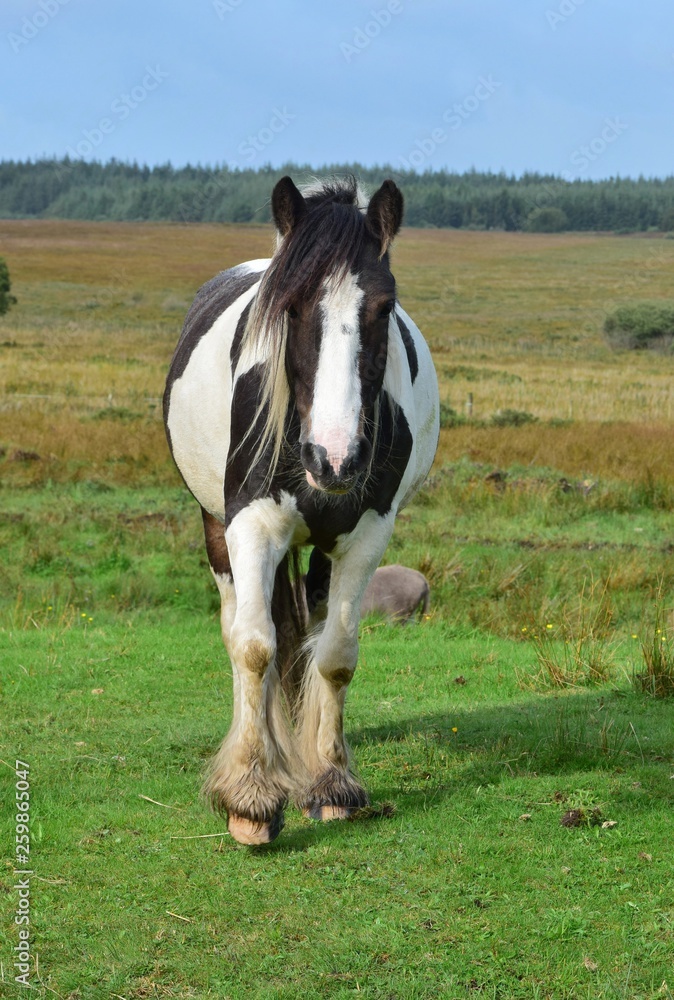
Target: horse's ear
385	213
287	206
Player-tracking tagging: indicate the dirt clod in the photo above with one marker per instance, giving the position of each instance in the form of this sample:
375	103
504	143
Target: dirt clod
581	817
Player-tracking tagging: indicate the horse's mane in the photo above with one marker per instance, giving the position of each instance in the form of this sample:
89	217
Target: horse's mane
327	240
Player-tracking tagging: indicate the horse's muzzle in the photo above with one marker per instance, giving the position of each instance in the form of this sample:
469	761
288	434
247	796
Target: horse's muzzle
321	473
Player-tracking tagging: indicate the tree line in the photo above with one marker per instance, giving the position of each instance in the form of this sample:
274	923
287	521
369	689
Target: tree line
78	189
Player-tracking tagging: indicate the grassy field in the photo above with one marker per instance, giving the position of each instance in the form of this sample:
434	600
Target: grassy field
548	548
514	319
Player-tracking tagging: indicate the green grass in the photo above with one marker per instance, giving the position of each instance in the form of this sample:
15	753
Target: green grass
498	558
114	684
454	893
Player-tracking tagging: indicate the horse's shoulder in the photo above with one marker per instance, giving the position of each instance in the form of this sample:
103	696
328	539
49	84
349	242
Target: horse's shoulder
213	299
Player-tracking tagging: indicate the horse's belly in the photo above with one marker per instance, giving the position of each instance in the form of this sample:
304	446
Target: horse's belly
199	418
420	403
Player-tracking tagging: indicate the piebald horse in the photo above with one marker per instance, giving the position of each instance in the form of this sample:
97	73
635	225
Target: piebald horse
301	409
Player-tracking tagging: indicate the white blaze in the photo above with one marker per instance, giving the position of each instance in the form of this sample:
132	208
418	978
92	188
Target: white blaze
335	411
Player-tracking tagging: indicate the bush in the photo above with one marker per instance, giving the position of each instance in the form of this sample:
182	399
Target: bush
512	418
547	220
449	417
642	325
6	300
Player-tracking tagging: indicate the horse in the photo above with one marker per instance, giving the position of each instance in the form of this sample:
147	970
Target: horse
301	409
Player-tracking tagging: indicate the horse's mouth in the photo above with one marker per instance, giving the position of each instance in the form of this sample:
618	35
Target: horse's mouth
333	487
335	473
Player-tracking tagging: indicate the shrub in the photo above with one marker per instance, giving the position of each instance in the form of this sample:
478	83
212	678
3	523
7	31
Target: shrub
449	417
6	300
657	677
575	651
641	325
512	418
547	220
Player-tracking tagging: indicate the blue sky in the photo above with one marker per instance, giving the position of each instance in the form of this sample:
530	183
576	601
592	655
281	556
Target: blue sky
581	88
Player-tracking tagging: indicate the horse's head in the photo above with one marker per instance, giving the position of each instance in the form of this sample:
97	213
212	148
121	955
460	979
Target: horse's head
338	297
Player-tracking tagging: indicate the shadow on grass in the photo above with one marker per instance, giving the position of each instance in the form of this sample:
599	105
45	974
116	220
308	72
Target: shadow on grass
424	763
553	735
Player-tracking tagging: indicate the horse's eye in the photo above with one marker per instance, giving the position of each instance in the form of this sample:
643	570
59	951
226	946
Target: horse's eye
386	309
292	312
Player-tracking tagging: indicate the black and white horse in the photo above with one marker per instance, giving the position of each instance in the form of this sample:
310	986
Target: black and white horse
301	409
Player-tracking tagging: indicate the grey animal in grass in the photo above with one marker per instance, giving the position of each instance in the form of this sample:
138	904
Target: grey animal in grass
398	592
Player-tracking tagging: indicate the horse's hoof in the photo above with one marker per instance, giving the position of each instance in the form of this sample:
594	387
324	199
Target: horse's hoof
327	813
253	832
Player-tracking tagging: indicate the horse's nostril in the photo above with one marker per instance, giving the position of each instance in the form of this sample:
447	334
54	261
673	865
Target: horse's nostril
358	457
314	458
332	474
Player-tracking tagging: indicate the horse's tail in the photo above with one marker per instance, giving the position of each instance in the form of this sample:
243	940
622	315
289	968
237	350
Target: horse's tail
288	610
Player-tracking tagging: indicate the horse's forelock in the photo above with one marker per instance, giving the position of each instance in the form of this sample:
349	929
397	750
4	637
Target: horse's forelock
328	241
342	190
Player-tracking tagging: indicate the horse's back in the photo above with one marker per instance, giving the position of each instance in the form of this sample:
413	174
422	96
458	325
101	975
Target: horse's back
197	397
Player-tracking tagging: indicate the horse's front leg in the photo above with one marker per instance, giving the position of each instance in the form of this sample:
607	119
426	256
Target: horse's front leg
333	792
254	772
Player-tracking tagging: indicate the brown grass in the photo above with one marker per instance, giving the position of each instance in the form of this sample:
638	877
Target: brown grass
627	451
514	319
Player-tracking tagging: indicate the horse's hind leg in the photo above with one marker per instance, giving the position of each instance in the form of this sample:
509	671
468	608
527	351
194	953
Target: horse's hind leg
250	777
332	791
317	589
